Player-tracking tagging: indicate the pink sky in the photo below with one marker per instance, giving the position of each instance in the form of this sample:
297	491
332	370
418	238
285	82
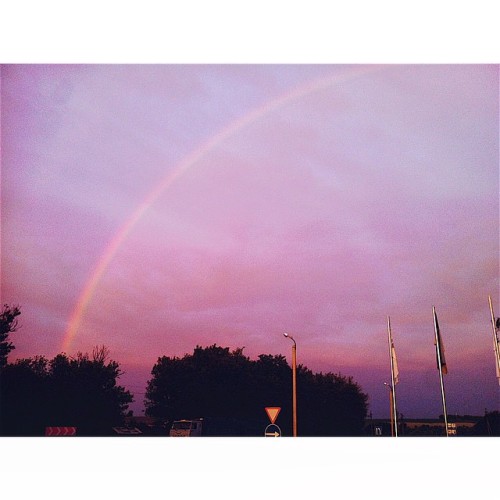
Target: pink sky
312	199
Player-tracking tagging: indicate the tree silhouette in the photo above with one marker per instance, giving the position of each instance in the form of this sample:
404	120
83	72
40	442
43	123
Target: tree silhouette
83	392
23	397
208	382
8	324
217	382
78	391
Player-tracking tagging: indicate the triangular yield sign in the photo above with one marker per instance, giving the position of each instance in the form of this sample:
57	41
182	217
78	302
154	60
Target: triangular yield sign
272	412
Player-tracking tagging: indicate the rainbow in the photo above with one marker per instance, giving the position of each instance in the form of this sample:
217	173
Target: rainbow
191	159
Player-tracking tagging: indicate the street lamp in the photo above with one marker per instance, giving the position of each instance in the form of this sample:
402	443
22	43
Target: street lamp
294	382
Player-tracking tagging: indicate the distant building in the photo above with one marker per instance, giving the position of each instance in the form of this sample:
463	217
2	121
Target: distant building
457	426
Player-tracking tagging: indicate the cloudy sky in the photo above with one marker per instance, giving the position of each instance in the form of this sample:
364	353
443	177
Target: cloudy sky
156	208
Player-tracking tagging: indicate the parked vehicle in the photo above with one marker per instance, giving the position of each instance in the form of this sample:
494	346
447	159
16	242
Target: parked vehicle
186	428
214	426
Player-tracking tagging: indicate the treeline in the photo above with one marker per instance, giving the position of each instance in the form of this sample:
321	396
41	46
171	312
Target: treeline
82	391
219	383
79	391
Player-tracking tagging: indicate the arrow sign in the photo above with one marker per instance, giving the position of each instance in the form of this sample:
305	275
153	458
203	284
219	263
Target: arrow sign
272	412
60	431
276	431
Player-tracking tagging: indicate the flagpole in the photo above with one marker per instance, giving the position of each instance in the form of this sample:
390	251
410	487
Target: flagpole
393	385
391	408
438	351
495	340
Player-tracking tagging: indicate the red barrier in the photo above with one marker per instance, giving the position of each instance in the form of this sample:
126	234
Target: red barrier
60	431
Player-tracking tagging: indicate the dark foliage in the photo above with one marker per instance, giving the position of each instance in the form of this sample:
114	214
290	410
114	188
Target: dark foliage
219	383
489	425
8	324
68	392
23	397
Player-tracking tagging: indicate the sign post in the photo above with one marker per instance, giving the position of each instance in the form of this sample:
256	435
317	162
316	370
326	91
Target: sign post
272	430
272	412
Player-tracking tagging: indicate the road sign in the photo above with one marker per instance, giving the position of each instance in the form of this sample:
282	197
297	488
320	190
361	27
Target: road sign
272	430
272	412
60	431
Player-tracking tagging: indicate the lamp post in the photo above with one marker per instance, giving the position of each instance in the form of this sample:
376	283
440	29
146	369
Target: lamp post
294	382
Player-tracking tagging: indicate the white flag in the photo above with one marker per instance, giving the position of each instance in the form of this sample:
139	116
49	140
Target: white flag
394	363
392	353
